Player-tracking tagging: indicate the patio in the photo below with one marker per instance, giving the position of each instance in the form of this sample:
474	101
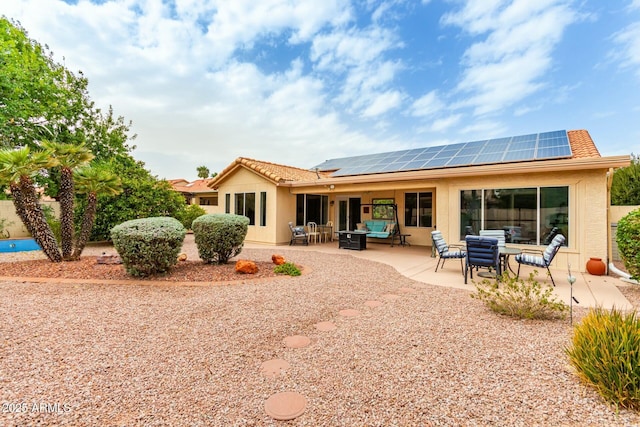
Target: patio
416	263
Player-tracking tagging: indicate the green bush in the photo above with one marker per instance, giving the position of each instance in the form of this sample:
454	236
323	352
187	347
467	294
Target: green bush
219	237
606	353
523	299
628	242
190	213
148	245
287	268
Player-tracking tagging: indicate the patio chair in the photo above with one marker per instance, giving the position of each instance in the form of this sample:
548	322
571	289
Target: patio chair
314	234
327	231
298	235
496	234
541	259
482	252
447	251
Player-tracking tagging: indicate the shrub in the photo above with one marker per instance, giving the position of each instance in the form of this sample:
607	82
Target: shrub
523	299
606	353
628	242
219	237
148	245
190	213
287	268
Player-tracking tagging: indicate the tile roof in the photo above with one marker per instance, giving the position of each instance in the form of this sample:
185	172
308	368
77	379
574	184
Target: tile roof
197	186
272	171
581	144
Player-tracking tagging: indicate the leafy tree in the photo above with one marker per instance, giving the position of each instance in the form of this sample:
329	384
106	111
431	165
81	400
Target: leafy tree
18	169
93	181
203	172
143	196
625	186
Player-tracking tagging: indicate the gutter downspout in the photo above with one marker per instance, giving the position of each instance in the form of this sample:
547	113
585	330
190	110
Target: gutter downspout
609	235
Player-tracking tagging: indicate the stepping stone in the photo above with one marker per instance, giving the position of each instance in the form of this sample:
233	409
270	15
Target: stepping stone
349	312
373	303
390	297
407	291
273	368
325	326
297	341
285	406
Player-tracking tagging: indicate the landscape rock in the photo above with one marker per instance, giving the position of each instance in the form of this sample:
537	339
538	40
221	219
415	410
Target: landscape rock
182	257
246	267
108	259
278	259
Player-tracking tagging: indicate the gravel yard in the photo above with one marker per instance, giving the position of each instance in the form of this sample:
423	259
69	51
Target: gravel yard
168	354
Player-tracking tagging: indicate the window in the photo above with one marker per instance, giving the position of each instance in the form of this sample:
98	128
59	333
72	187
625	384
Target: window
530	215
418	209
263	208
246	205
209	201
385	211
227	203
312	208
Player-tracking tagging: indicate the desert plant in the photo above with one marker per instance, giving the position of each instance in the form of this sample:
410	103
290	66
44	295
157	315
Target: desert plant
148	245
219	237
628	242
190	213
605	351
523	299
288	268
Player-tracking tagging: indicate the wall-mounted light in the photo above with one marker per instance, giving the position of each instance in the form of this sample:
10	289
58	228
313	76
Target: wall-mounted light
331	187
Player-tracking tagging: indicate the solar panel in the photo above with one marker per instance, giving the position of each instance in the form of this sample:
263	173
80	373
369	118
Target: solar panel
546	145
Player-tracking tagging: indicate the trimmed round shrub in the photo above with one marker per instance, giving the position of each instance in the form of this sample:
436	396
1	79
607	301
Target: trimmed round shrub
629	243
605	351
190	213
149	245
219	237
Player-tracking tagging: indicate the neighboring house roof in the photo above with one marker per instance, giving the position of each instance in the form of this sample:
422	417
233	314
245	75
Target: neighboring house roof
278	174
194	187
578	152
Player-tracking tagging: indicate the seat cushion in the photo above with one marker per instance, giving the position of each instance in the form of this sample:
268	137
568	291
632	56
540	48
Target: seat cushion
530	259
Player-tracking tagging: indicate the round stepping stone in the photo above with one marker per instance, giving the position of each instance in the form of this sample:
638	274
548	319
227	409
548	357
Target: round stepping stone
373	303
325	326
297	341
390	297
349	312
407	291
285	406
273	368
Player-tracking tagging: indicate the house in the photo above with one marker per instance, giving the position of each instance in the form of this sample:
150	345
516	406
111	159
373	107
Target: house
197	192
530	186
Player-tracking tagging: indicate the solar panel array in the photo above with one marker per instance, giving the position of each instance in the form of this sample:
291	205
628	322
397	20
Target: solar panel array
546	145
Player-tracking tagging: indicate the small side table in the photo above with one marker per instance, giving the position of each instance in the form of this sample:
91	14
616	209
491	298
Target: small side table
403	239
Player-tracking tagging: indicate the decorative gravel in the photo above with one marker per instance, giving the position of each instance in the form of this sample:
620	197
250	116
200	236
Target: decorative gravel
167	354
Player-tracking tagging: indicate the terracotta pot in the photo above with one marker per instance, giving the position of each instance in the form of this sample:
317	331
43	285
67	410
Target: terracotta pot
596	267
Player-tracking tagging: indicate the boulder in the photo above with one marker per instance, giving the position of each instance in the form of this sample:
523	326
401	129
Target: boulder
278	259
108	259
246	267
182	257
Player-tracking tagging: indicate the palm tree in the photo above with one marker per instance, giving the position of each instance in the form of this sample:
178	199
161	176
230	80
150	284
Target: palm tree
69	157
93	181
17	168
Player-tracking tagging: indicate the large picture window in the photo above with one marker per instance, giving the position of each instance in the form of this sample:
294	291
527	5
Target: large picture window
383	209
418	209
312	208
246	205
532	215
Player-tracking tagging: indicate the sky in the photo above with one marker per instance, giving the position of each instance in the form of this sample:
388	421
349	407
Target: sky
298	82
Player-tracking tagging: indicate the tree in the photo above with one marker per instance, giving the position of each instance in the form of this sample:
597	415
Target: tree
625	186
93	181
203	172
17	169
68	157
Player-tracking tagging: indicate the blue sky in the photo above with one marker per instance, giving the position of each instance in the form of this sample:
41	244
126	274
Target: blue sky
302	81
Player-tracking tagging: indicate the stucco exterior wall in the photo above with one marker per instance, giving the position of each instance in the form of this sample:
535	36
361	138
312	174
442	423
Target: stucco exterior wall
16	227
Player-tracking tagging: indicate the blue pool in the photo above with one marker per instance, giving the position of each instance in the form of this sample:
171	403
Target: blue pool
18	245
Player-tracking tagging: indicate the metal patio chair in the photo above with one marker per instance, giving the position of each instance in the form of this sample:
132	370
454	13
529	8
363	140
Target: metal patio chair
541	259
298	235
446	251
482	252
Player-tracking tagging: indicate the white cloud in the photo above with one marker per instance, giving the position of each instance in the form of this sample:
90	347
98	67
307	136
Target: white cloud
444	124
427	105
382	103
511	62
628	51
